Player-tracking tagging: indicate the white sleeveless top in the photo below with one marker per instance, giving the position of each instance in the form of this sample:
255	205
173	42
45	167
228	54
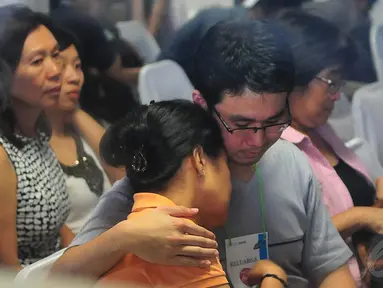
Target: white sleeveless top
82	198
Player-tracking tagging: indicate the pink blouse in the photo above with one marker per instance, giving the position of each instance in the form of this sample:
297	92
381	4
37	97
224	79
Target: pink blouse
335	193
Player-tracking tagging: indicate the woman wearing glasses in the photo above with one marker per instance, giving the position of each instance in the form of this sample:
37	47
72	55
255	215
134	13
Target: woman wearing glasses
348	191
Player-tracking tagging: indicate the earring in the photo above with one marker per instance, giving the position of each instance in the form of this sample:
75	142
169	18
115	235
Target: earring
203	174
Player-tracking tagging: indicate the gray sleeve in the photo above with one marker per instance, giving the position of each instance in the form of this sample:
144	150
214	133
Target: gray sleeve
114	206
324	249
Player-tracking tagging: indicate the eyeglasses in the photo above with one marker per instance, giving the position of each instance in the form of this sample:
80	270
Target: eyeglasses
333	86
270	129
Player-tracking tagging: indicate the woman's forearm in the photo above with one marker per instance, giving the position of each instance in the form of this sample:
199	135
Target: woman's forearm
379	188
156	17
96	257
350	221
67	236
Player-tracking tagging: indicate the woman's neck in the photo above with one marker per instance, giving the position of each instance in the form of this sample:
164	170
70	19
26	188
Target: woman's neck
26	117
57	121
184	193
302	129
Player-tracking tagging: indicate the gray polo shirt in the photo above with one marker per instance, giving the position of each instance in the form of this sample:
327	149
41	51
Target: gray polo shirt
302	238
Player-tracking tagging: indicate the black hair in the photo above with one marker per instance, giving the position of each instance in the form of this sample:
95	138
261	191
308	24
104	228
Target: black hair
152	141
316	44
16	23
66	39
234	56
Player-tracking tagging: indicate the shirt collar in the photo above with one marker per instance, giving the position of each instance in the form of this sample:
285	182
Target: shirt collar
293	136
150	200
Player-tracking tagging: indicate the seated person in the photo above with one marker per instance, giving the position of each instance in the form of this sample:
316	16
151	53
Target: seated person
348	191
174	155
100	58
75	140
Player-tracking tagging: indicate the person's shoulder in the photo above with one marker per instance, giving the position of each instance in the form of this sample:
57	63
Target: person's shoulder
121	189
286	165
286	154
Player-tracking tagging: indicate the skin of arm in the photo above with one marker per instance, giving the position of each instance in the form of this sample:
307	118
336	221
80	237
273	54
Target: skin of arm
357	218
156	17
379	191
339	278
92	132
8	207
127	76
263	267
66	236
157	237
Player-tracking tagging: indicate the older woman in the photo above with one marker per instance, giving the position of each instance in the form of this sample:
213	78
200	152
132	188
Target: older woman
348	190
33	200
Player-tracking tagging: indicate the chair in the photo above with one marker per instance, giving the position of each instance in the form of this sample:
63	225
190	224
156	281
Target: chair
38	270
367	116
139	37
341	119
367	155
164	80
376	42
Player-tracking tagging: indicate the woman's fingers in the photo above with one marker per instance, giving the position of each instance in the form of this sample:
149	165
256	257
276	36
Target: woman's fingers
191	240
197	252
189	227
179	211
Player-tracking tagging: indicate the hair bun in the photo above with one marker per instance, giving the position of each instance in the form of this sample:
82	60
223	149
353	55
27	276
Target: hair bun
123	143
139	162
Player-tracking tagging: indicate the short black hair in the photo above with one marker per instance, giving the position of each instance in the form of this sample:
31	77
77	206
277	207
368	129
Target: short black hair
316	44
16	23
158	137
234	56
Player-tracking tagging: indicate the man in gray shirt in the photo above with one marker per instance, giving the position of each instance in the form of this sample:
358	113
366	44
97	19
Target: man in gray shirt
243	72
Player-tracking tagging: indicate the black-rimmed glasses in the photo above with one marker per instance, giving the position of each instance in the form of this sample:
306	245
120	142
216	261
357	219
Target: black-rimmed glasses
272	128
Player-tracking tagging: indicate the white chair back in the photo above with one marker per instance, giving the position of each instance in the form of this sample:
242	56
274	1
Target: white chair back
376	43
341	119
38	270
164	80
139	37
367	155
367	116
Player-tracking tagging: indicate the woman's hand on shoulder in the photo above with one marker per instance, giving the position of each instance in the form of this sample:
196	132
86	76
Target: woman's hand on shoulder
164	236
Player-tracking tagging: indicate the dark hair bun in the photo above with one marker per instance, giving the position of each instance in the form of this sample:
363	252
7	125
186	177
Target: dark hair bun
123	140
152	141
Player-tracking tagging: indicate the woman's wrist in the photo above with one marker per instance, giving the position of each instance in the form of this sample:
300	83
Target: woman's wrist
274	282
122	236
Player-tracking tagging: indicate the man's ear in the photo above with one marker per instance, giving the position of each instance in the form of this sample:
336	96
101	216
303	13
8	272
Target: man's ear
199	100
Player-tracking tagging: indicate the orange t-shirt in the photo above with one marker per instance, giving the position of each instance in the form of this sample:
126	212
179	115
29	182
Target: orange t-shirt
135	271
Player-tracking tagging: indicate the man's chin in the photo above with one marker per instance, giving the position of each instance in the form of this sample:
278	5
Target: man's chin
246	161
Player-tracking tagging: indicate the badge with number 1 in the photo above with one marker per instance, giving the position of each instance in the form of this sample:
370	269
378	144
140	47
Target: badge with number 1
241	255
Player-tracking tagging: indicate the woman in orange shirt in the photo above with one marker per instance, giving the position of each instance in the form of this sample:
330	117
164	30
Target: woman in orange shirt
174	155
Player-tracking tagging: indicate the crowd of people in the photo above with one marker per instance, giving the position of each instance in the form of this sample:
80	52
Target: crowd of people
246	185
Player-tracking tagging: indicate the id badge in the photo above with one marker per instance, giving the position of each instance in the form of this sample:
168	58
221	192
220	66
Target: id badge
241	255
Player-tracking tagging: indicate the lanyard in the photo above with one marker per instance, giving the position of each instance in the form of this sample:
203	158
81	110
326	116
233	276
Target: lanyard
261	204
